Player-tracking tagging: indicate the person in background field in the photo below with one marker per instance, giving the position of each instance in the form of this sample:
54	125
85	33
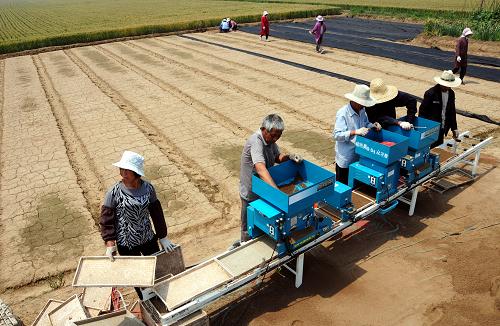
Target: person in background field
461	49
388	98
318	31
233	26
264	25
439	105
224	26
351	120
260	152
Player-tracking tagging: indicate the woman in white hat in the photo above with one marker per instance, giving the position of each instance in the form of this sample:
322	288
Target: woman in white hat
439	104
264	25
125	215
318	31
461	49
351	121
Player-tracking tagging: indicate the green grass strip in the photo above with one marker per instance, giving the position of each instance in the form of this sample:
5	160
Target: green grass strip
30	44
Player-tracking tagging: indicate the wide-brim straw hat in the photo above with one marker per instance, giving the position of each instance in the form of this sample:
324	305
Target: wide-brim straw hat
319	18
361	95
382	92
131	161
265	13
448	79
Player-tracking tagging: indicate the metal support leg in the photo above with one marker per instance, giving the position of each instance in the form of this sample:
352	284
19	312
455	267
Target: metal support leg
299	270
476	162
413	202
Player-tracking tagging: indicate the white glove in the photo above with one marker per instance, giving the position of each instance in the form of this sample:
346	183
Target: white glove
296	158
455	134
362	131
110	252
377	126
166	244
405	125
459	59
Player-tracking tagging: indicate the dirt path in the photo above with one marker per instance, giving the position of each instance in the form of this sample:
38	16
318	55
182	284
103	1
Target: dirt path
188	104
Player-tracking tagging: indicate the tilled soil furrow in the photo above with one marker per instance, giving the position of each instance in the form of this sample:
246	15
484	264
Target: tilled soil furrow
181	43
476	104
357	61
45	220
223	100
213	115
205	184
235	84
79	157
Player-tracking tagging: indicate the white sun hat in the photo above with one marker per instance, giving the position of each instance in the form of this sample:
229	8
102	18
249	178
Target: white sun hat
448	79
467	31
382	92
265	13
131	161
319	18
361	95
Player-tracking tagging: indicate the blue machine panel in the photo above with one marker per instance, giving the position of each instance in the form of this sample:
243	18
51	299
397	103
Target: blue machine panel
425	133
341	197
317	182
263	217
370	146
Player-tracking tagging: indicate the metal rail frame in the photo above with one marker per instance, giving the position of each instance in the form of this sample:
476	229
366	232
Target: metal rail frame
201	301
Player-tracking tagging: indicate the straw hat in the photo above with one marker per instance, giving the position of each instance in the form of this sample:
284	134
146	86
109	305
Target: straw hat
265	13
131	161
467	31
361	95
382	92
319	18
448	79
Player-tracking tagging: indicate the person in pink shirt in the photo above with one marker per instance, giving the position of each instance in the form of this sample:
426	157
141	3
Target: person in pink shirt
264	25
318	31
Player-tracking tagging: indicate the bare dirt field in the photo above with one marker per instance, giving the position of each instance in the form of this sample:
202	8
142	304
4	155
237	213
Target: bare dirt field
188	105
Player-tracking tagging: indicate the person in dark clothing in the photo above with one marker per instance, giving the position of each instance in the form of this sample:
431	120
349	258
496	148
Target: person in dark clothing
461	49
388	98
439	105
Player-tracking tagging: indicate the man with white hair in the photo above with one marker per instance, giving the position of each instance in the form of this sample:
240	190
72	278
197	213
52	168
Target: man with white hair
439	105
351	121
260	153
461	49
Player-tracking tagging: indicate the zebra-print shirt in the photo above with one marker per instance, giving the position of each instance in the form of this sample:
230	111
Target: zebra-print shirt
133	225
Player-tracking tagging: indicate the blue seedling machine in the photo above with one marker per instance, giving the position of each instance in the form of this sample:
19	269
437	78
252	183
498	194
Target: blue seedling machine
307	205
419	161
380	154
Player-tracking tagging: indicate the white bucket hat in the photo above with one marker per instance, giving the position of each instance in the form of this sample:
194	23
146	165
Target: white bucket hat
361	95
131	161
467	31
265	13
319	18
448	79
382	92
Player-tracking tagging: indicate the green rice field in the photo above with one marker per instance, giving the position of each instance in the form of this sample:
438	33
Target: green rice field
27	24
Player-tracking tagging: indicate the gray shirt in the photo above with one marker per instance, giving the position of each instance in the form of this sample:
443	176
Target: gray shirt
256	150
145	189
